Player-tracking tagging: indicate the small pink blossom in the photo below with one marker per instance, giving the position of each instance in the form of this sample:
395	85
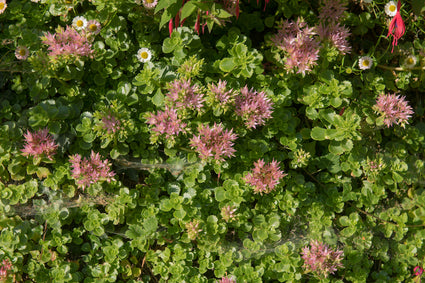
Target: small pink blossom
394	109
111	124
166	122
264	178
228	213
4	268
182	94
226	279
39	143
214	142
88	171
221	95
321	260
253	107
337	36
67	42
193	229
331	11
300	46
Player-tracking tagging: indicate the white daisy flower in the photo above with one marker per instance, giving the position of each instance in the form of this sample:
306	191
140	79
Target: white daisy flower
150	4
22	53
144	55
410	62
93	26
365	62
79	23
3	6
391	8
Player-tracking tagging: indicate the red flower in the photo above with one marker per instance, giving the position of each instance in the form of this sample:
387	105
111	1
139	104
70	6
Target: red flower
397	27
418	271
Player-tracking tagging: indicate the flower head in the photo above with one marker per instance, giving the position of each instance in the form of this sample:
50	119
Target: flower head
22	53
39	143
79	23
418	271
215	142
89	171
150	4
219	95
144	55
93	26
391	9
193	229
264	177
365	62
337	36
5	266
3	6
299	45
253	107
228	213
68	42
410	62
182	94
321	260
397	27
331	10
394	109
166	123
226	279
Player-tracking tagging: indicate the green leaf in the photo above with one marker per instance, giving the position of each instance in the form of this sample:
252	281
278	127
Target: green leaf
158	98
259	235
318	134
339	147
187	10
227	65
220	194
168	46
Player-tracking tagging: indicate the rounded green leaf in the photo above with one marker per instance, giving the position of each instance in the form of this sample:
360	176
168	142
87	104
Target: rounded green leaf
227	65
318	134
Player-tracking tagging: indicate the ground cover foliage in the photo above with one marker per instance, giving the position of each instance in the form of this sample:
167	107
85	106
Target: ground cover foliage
198	141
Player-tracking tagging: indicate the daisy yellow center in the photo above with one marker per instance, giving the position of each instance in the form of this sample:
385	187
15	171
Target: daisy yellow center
144	55
22	52
1	6
366	63
80	23
393	8
410	61
149	1
93	27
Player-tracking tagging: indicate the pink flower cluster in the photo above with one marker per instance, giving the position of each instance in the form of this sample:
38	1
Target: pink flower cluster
228	213
182	94
67	42
254	107
321	260
89	171
5	266
329	29
226	279
222	96
39	143
394	109
110	123
300	47
214	142
264	178
193	229
166	122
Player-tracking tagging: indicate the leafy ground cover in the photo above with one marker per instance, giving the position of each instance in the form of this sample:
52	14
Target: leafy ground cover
212	141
